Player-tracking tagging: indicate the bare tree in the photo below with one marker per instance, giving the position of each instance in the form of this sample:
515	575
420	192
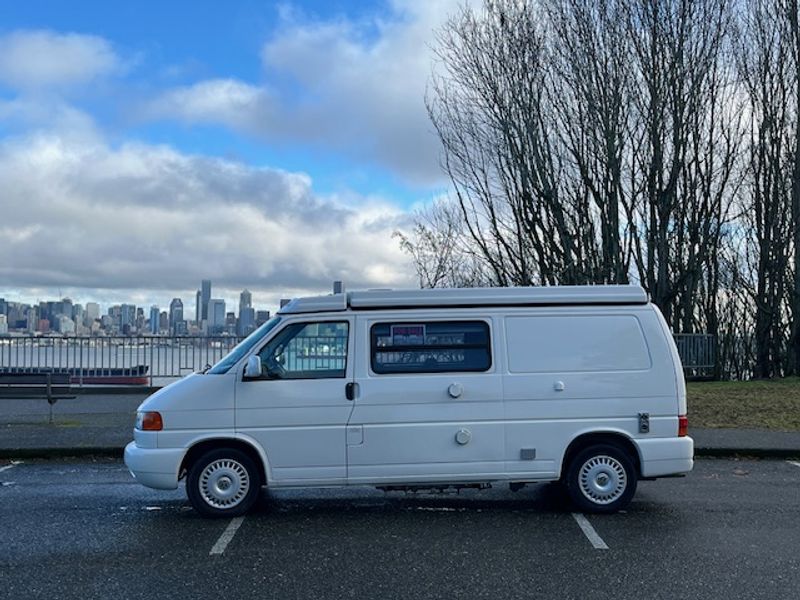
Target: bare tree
489	107
681	166
791	14
590	95
436	246
646	140
766	69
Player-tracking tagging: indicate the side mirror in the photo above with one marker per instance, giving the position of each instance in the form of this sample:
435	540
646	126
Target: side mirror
252	369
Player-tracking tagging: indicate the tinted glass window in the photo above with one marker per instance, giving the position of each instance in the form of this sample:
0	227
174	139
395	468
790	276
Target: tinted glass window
307	351
430	347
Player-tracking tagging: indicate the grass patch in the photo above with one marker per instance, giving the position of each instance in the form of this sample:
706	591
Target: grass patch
766	404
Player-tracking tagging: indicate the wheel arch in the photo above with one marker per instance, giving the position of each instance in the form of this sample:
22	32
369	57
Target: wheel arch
241	443
589	438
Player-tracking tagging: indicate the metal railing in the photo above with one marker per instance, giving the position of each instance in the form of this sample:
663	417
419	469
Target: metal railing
316	353
153	360
157	360
698	352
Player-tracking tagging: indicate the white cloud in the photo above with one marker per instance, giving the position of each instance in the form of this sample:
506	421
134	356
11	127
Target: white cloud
353	87
87	216
38	59
227	101
23	115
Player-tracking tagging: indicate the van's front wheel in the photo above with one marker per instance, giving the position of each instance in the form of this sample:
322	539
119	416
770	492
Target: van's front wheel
223	483
601	479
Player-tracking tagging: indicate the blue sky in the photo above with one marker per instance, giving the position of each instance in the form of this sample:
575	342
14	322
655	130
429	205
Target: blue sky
169	44
145	146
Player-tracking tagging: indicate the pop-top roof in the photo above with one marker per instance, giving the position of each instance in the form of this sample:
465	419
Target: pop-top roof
469	297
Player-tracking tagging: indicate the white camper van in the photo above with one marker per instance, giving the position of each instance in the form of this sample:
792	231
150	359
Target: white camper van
429	388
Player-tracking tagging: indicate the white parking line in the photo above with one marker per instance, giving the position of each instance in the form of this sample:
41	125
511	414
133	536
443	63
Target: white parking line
227	536
589	532
791	462
7	467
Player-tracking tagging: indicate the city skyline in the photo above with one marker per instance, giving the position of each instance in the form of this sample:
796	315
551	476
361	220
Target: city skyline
269	300
69	316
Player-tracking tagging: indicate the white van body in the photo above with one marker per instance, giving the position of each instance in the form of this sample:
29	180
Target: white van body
428	388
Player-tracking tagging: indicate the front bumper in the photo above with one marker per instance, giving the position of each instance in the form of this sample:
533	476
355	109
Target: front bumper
154	467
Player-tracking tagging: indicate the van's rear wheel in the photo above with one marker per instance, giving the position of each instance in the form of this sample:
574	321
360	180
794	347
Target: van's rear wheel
601	479
223	483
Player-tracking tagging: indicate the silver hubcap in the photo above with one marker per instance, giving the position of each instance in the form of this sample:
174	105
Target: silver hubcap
224	483
602	479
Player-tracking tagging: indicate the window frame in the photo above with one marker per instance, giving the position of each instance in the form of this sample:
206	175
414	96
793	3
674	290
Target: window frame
390	323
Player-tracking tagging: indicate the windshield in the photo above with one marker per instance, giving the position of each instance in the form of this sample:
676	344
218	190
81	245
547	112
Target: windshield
243	347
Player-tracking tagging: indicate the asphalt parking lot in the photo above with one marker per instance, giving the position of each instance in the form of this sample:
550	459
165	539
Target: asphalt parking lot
84	529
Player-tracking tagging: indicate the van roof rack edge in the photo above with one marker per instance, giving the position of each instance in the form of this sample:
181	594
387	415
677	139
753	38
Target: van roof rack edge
470	297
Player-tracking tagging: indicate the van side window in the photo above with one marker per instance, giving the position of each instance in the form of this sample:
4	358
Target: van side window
430	347
307	351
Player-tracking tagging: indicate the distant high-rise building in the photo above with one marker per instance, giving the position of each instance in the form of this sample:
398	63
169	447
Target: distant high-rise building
3	324
262	316
3	307
247	321
154	319
127	318
77	314
66	325
198	308
163	321
175	315
205	298
230	323
33	319
247	316
15	315
66	308
92	313
216	316
245	300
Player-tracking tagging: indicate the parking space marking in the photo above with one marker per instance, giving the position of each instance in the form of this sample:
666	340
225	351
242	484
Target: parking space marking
589	532
791	462
226	536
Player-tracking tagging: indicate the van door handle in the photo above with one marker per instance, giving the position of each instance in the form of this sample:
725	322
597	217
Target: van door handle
350	391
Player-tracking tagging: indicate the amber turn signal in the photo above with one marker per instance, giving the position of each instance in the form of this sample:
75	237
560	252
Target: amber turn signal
150	421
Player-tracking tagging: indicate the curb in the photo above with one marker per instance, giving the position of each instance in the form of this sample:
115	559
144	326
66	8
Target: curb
779	453
50	453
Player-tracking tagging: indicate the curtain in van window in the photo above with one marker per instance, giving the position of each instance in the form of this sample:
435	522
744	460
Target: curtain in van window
430	347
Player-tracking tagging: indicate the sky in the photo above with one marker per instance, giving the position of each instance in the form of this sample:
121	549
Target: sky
145	146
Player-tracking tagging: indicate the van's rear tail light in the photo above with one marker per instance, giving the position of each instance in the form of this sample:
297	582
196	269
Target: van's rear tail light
683	426
149	421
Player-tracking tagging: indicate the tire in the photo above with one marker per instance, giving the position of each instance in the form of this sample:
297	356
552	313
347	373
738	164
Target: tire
223	483
601	479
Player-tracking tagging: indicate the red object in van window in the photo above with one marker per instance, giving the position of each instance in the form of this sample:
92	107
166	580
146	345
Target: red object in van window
683	426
